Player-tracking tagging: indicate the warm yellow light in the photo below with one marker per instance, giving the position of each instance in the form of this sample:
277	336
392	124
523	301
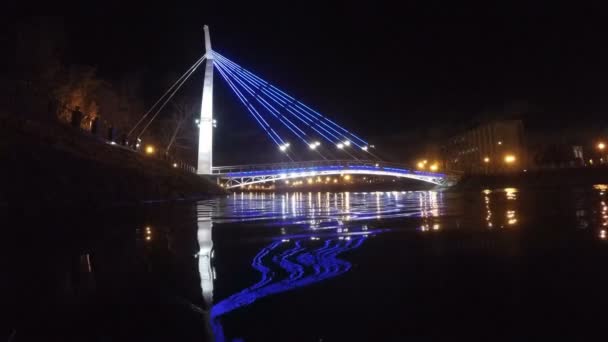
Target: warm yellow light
421	165
434	167
347	177
486	159
174	164
509	159
150	149
335	181
327	179
500	143
424	161
601	146
309	180
148	238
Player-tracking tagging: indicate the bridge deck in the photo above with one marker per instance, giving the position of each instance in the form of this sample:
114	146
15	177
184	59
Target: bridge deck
241	175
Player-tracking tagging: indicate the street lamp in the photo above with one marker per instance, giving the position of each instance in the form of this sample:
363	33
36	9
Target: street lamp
150	149
420	165
510	159
486	160
434	167
601	146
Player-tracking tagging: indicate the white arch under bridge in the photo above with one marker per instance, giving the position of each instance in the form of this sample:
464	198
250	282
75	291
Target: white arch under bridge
243	175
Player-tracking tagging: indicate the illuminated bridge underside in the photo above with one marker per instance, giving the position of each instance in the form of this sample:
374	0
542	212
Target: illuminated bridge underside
239	176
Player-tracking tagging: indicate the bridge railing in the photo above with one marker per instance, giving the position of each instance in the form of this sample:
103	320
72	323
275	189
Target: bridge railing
317	163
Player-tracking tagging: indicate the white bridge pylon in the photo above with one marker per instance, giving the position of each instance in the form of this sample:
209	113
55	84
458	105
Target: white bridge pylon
205	135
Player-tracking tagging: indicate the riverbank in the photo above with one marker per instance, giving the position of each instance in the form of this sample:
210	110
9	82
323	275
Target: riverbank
537	178
46	164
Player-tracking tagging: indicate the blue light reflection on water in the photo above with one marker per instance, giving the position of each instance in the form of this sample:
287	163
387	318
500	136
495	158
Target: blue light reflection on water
316	228
295	267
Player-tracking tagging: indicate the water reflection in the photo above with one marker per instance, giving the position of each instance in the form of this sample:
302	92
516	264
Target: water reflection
491	199
286	265
306	235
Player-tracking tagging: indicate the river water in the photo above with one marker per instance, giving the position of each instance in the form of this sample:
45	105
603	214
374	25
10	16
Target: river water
493	264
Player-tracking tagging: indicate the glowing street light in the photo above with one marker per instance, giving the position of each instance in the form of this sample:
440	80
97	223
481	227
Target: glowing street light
420	165
174	164
510	159
434	167
601	146
284	147
340	145
364	148
346	142
312	146
486	160
150	149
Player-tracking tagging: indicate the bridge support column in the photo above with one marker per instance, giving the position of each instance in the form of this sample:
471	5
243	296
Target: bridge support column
205	135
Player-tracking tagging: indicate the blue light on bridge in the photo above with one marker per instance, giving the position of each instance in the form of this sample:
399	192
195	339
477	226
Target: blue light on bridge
312	171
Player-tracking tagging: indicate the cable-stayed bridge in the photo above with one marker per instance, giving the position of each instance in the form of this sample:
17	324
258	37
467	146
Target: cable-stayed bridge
295	129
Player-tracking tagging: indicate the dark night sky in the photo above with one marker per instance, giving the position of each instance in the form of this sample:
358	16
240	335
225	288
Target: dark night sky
384	71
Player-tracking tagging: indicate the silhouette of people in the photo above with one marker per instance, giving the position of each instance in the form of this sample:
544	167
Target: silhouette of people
111	133
123	139
76	117
95	125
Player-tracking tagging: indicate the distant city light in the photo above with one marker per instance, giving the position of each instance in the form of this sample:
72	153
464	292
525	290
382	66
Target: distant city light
347	177
340	145
420	165
601	146
347	143
364	148
486	159
509	159
317	143
174	164
434	167
313	146
150	149
500	143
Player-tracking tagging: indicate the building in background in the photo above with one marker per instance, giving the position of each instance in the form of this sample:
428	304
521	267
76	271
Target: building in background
494	147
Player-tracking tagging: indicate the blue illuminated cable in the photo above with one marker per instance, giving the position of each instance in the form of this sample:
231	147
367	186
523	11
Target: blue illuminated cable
260	99
290	98
299	133
278	141
245	103
264	103
302	106
288	105
311	120
302	117
282	103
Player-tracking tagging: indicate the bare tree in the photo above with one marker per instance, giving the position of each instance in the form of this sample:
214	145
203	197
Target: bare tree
178	130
